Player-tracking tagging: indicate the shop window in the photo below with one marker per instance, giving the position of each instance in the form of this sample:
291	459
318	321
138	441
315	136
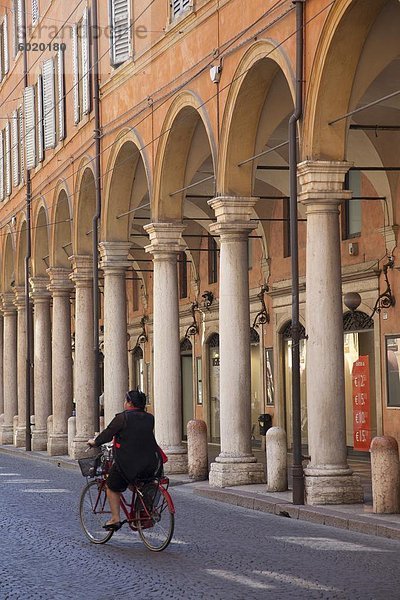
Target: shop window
212	260
351	222
199	378
392	370
269	376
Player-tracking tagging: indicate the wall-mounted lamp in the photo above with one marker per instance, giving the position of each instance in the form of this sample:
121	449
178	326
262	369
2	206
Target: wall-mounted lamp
193	328
262	317
208	299
352	300
142	337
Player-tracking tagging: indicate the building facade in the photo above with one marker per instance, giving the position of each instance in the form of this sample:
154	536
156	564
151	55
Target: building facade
194	253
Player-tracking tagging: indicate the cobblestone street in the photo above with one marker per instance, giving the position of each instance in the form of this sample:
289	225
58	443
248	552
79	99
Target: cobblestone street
218	551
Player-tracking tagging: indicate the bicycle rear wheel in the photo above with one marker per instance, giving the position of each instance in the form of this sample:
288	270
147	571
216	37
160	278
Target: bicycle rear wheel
155	517
94	512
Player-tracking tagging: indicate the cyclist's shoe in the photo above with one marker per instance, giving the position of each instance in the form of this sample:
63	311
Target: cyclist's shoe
112	526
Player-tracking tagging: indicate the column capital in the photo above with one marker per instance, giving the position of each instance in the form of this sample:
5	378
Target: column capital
321	183
165	238
233	214
82	266
19	292
39	288
114	256
8	307
60	282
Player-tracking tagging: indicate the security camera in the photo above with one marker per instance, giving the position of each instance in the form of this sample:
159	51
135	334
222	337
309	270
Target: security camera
215	73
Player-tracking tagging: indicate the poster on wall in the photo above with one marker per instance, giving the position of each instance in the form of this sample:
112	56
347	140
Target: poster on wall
361	404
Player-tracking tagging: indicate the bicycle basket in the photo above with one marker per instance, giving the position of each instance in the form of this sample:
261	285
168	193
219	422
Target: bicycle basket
89	465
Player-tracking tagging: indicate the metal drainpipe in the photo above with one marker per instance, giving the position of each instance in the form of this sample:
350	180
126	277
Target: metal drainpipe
297	467
28	310
97	215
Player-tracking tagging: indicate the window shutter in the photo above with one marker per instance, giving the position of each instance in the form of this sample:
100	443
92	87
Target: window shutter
30	141
7	159
61	95
19	25
75	73
40	138
6	61
21	142
15	148
49	113
178	6
120	31
85	53
35	11
1	165
1	51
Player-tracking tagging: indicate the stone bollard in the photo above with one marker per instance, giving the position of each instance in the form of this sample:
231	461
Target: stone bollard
71	433
275	442
197	450
385	475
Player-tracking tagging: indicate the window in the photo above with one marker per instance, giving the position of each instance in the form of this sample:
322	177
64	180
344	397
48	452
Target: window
392	370
121	32
179	6
81	67
182	270
35	11
7	159
1	165
250	253
30	121
19	25
15	149
135	292
351	223
39	112
21	142
4	62
49	107
269	376
199	378
60	96
212	260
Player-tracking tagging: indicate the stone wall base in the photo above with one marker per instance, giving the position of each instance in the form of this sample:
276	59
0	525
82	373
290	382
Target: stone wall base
58	444
338	489
226	474
6	435
177	463
39	439
79	448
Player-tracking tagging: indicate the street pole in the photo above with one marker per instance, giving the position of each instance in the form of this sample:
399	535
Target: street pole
297	466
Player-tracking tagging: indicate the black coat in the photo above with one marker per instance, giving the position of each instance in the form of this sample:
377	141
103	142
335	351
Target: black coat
135	448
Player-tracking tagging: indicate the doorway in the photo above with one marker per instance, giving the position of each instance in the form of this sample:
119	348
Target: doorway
213	407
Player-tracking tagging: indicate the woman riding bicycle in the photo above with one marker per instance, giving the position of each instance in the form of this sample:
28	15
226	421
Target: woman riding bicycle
136	453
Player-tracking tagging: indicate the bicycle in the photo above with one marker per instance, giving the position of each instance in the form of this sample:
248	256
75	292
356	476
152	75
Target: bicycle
150	510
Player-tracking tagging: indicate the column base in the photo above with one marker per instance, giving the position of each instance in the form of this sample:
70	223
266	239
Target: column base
177	461
58	444
20	437
336	489
39	439
226	474
6	435
79	447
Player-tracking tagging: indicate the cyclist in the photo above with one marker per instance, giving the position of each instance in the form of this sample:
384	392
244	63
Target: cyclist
136	453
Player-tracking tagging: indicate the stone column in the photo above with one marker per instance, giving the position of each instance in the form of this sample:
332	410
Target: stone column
236	464
10	368
20	439
62	386
328	478
41	360
84	365
114	262
165	244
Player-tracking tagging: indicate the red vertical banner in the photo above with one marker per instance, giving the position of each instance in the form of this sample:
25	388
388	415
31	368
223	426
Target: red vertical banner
361	404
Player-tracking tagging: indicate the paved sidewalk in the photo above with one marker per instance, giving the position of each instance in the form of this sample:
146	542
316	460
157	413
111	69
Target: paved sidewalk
354	517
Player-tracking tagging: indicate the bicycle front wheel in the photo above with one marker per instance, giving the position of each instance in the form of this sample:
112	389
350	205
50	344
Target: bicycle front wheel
155	518
94	512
